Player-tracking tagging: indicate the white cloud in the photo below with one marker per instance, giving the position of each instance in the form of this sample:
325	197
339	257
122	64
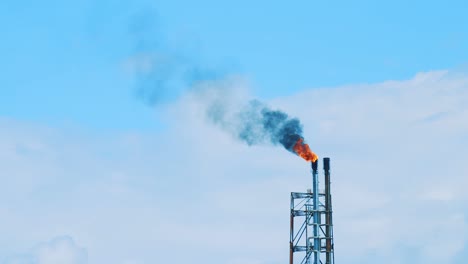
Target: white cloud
61	250
398	151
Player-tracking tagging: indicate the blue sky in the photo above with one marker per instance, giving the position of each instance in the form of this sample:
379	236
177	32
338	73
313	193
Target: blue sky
66	56
88	165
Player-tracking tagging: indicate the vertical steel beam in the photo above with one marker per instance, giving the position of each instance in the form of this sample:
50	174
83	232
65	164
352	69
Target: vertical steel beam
291	229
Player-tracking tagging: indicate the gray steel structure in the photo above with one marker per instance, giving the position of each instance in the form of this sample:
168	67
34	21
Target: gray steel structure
311	229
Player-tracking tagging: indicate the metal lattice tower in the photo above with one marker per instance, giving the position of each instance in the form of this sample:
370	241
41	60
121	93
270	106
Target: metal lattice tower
311	222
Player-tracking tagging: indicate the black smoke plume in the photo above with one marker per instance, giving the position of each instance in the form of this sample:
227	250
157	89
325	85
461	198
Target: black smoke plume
257	124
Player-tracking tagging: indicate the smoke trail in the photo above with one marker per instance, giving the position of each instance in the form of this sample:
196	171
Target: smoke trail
256	124
163	70
164	75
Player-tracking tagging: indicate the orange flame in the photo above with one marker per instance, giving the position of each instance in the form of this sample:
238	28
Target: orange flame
302	149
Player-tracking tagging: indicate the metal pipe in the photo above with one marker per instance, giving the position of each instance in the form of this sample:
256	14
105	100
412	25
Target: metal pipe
326	168
316	214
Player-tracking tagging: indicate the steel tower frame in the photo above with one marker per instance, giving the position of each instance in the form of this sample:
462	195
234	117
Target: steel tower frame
313	234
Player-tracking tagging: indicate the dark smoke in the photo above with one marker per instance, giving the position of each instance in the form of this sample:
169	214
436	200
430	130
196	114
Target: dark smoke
258	124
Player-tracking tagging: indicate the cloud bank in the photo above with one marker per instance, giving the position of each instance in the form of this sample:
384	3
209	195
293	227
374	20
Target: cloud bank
398	152
61	250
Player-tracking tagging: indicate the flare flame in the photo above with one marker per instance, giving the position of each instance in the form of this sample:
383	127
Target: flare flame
302	149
